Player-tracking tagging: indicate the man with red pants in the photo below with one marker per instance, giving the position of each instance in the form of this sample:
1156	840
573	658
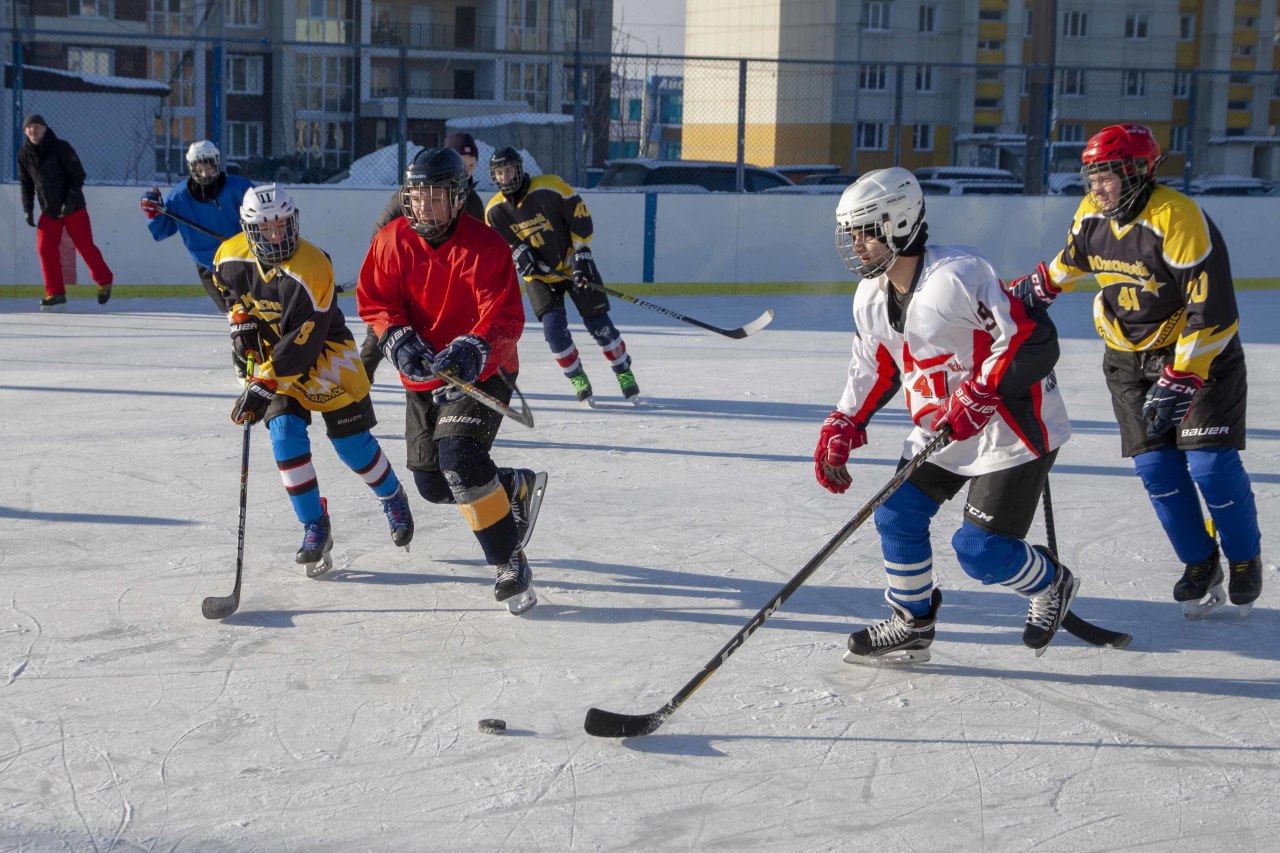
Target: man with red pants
50	171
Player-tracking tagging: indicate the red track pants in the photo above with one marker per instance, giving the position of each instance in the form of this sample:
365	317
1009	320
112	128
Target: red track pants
49	235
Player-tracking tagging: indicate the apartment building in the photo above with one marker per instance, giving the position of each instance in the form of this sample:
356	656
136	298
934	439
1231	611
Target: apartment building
930	82
319	83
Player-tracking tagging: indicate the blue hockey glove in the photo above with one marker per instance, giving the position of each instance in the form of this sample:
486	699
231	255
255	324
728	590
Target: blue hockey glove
1169	400
408	351
464	358
585	271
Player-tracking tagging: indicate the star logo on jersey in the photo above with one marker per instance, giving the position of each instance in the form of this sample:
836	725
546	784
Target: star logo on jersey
1150	285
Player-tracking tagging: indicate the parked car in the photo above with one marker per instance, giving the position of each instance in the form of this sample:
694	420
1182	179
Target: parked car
941	187
1231	185
671	175
829	180
965	173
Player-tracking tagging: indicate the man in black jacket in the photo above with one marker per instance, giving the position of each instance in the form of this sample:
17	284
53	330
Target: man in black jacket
51	172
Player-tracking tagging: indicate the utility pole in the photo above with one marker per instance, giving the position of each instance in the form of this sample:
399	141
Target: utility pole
1040	73
861	24
577	96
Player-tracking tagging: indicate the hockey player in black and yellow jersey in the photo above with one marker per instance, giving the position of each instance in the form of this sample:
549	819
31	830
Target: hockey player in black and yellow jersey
549	229
286	313
1173	363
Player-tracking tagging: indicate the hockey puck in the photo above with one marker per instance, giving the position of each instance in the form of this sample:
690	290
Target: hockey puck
492	726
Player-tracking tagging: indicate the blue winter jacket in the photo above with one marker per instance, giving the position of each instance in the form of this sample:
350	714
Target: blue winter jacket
221	216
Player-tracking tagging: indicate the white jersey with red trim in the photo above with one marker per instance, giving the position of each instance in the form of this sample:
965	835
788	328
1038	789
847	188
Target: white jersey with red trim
958	322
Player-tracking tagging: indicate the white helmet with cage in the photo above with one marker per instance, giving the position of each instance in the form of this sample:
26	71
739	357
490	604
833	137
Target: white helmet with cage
886	204
204	162
270	222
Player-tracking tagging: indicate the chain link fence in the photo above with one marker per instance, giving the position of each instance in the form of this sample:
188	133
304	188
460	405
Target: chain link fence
352	114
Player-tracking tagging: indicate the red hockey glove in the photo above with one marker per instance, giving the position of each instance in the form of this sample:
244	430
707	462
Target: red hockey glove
967	410
151	204
840	435
254	400
1035	290
1169	400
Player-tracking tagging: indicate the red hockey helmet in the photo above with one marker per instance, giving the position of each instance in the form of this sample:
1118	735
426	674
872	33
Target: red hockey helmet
1129	150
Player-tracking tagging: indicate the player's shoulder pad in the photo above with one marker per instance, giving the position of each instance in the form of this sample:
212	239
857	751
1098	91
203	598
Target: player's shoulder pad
1181	223
551	182
498	198
234	248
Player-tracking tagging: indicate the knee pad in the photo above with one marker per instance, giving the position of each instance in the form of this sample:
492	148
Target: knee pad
289	438
555	328
433	487
1162	471
1214	463
466	466
906	514
601	328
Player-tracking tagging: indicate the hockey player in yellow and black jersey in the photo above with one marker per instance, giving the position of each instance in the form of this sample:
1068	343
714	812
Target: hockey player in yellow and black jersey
285	312
1173	363
549	229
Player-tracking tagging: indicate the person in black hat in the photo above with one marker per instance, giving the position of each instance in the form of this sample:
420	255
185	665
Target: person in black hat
50	171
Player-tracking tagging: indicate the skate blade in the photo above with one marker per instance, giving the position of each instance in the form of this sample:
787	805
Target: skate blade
1200	609
899	657
635	401
1244	610
521	602
588	403
315	570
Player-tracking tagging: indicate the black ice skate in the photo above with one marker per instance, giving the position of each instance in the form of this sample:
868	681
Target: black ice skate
57	302
1246	583
317	542
527	489
1200	589
399	517
902	638
582	389
1049	606
512	584
630	388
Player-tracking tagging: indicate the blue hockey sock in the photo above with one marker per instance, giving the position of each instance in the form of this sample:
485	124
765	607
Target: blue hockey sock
291	447
1224	484
903	524
610	341
992	558
1168	483
362	454
555	328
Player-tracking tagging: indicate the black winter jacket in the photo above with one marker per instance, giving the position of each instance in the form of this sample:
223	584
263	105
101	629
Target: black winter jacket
51	171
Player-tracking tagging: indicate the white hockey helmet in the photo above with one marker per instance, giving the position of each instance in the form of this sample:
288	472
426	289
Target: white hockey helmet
886	203
201	154
263	207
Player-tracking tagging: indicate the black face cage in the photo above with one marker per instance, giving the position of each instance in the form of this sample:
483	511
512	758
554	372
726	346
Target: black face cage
510	186
268	252
204	180
1136	178
457	195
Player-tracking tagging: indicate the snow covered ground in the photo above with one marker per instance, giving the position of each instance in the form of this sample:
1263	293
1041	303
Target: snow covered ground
340	713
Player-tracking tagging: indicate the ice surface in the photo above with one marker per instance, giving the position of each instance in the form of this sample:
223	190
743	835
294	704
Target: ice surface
340	713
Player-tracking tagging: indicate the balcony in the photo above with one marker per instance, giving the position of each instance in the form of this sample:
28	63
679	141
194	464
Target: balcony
433	36
432	94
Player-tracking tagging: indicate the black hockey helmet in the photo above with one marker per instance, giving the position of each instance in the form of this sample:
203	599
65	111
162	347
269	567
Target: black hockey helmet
507	156
433	213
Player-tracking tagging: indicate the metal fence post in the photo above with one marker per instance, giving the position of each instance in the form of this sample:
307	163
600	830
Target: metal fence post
402	114
897	116
17	101
1193	96
216	96
740	180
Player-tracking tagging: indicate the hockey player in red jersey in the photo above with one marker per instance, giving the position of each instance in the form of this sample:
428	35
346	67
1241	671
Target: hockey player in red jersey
935	321
440	290
1173	361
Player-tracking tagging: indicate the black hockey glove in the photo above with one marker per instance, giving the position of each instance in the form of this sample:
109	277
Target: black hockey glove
31	219
244	338
585	271
465	359
253	402
528	264
1169	400
1035	290
408	351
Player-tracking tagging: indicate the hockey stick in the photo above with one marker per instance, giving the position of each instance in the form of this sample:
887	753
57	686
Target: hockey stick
741	332
222	606
524	416
610	724
1094	635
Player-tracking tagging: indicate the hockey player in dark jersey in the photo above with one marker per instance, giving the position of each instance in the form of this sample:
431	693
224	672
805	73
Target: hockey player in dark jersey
936	322
439	288
286	308
1173	361
465	145
211	199
549	230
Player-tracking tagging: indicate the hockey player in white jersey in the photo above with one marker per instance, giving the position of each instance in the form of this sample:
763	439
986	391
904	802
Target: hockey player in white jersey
936	322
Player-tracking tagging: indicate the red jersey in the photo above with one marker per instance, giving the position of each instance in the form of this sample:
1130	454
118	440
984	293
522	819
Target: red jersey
467	285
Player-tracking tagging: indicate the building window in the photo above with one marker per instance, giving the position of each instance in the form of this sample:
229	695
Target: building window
177	68
924	78
528	80
173	134
1071	133
244	75
928	18
1075	25
528	24
329	21
987	75
1186	26
1136	25
986	103
171	17
91	60
635	107
878	17
615	112
1182	84
991	14
671	108
1135	84
1237	131
324	83
872	136
1242	51
90	8
922	137
873	78
1177	140
244	13
990	44
1071	82
243	140
1238	105
322	144
1028	29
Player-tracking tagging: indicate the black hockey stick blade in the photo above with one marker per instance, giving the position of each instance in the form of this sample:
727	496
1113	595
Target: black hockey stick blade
737	334
222	606
523	416
610	724
1095	635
